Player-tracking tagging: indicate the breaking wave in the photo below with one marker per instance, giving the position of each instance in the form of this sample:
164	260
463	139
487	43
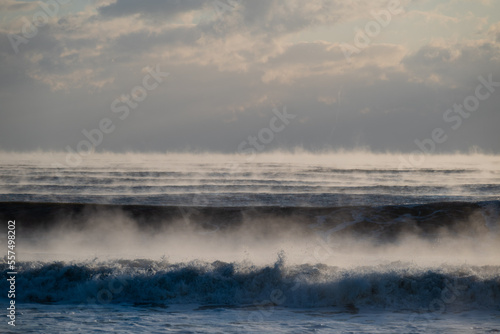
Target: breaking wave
242	284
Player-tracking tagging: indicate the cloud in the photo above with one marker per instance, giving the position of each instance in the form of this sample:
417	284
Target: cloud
14	5
327	59
453	64
162	8
230	69
272	18
495	31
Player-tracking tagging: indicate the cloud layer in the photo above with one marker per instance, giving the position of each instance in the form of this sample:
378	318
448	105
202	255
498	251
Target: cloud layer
230	63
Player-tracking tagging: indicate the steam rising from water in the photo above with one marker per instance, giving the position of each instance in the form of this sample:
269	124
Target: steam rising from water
275	178
114	235
355	237
276	261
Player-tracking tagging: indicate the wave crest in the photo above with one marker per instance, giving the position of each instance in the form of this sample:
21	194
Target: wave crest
242	284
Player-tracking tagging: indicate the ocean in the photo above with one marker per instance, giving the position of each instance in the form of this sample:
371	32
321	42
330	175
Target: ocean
278	242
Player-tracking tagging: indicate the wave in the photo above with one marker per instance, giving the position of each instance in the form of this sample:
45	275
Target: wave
346	256
381	222
393	286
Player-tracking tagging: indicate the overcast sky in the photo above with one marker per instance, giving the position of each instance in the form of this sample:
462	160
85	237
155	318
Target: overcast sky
350	81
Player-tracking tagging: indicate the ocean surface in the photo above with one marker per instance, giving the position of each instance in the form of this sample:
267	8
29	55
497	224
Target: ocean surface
332	242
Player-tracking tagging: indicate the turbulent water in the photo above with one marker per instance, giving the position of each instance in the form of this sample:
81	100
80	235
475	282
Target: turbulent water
281	242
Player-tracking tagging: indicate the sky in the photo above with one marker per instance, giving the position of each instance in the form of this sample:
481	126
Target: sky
250	75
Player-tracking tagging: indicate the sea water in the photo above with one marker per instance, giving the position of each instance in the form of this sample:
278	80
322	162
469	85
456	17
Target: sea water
281	242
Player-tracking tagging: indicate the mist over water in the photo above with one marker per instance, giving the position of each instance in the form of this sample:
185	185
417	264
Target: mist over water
276	178
301	179
344	230
113	234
